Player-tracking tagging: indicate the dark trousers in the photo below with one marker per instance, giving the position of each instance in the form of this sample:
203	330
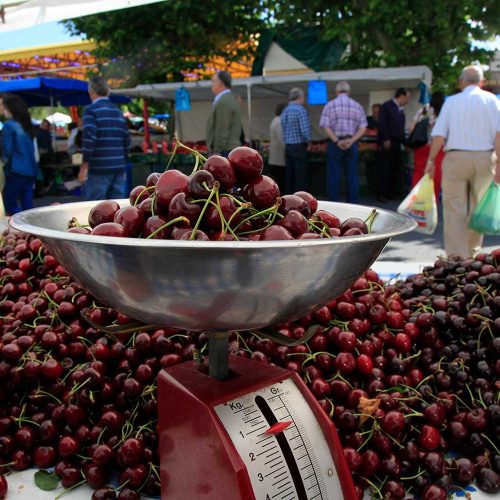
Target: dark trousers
390	183
342	162
296	168
18	190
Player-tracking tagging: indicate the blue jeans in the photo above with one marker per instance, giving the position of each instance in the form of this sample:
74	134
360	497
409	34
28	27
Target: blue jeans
17	189
105	187
342	161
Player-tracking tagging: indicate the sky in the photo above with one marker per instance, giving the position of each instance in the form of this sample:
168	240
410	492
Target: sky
42	34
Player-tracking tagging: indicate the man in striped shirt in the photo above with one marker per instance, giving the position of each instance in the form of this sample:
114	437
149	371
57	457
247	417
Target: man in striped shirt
296	134
105	146
344	121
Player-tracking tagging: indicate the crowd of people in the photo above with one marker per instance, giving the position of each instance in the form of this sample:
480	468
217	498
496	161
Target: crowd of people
460	146
460	149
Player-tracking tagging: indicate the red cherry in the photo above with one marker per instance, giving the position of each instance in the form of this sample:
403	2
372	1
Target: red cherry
221	170
200	184
79	230
309	199
104	211
138	194
247	163
110	229
393	422
275	233
4	487
181	207
130	218
295	223
154	223
327	218
261	192
169	184
293	202
430	437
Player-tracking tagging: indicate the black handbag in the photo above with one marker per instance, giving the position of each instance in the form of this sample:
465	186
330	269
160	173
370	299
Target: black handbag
420	134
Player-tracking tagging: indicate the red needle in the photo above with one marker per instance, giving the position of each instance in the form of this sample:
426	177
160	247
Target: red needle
277	428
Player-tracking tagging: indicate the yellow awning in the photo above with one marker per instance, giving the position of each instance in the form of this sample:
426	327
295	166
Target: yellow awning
47	50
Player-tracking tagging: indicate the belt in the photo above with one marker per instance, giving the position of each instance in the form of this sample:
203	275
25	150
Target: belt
342	137
469	151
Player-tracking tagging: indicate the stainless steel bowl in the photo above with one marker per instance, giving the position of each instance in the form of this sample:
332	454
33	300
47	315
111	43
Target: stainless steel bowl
212	286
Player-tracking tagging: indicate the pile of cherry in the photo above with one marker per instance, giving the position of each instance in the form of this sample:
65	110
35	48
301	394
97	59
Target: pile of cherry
223	199
408	371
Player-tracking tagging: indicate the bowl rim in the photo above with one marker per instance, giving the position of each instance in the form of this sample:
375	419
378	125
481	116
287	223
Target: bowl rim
20	222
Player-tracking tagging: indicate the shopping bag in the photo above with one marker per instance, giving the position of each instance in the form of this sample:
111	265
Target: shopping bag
486	217
421	206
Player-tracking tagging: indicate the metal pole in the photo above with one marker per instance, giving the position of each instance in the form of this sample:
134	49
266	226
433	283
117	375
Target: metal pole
249	107
53	128
218	355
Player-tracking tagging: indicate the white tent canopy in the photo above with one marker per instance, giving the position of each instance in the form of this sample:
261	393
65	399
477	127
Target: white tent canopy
263	93
19	15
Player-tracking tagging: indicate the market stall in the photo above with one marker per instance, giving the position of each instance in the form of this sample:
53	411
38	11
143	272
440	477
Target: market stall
261	94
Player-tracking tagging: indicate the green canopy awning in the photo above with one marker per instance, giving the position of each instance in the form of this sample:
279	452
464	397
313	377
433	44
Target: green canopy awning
305	45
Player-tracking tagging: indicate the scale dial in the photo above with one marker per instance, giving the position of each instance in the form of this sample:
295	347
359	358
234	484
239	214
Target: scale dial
281	443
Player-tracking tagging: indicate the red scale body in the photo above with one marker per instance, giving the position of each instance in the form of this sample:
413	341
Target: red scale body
198	459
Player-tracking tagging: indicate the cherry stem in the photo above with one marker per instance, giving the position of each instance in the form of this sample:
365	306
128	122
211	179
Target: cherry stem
169	223
214	190
369	220
67	490
412	477
491	442
172	155
196	153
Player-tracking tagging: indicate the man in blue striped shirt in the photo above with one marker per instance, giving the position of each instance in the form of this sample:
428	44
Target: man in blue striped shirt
105	146
296	134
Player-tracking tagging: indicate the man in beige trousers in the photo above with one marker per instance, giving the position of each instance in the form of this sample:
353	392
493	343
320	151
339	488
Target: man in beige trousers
469	128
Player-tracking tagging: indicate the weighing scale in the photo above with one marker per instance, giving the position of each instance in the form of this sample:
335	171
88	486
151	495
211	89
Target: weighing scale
251	431
231	428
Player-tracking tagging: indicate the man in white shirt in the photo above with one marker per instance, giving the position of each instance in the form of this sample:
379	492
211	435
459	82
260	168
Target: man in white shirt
469	123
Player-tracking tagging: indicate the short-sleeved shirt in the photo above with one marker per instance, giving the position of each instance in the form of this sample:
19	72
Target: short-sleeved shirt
469	121
343	115
295	124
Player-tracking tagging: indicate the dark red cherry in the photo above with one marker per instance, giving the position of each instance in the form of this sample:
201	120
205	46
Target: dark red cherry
169	184
153	179
154	223
309	199
110	229
138	194
130	218
295	223
221	170
79	230
104	211
275	233
200	183
261	192
329	219
353	223
199	236
181	207
247	163
294	202
228	208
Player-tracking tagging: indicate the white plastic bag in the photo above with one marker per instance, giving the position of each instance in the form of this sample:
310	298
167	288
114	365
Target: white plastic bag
421	205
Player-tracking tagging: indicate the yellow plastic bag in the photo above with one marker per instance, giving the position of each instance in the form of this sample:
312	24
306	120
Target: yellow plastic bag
421	205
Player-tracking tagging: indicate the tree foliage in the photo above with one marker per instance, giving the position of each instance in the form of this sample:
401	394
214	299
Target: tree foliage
154	43
439	34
